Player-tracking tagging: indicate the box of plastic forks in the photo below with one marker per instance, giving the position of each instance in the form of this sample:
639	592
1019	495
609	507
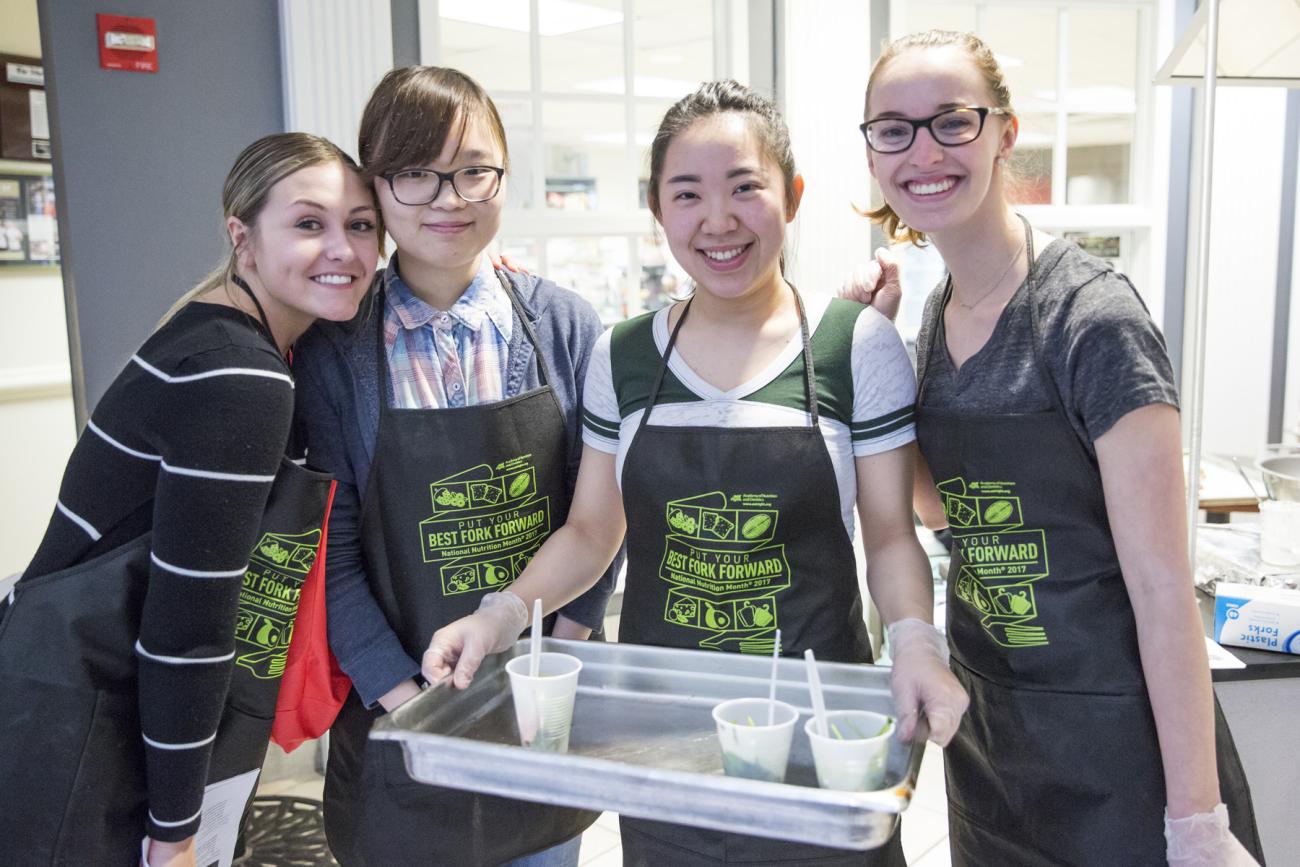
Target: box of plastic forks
1261	618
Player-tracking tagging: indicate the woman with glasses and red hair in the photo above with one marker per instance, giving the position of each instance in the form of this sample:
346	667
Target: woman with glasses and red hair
1047	416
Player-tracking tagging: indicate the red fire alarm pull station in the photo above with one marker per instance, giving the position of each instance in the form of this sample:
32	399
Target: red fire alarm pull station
128	43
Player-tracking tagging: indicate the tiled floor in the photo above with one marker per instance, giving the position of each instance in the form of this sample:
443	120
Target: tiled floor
925	824
600	844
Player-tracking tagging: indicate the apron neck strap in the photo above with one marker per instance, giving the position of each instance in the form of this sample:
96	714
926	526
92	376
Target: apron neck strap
939	337
1035	325
261	313
543	372
379	310
810	376
663	366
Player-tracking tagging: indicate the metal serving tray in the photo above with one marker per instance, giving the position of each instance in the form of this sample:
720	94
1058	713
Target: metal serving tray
644	743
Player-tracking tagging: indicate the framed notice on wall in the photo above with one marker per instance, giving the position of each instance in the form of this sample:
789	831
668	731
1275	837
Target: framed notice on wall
24	121
29	232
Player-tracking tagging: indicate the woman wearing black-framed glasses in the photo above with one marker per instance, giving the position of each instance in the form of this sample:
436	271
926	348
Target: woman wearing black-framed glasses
1047	418
421	186
449	404
950	127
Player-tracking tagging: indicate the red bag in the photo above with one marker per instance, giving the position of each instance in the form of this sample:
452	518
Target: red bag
313	687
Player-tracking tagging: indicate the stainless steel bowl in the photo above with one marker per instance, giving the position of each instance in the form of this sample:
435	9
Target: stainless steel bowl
1281	476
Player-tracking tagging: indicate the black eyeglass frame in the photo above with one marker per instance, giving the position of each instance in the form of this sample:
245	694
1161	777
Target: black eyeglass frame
444	178
925	123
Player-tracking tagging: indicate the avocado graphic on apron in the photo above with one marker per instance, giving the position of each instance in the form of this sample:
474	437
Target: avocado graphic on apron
721	551
1044	641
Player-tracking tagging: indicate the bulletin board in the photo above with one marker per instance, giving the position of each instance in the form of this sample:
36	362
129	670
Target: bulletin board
29	232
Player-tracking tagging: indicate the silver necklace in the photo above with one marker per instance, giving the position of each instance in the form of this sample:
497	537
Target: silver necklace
1015	257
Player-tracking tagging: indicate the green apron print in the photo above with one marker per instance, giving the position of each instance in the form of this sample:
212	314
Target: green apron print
724	569
1046	647
77	758
1001	559
457	502
268	607
722	551
268	601
486	523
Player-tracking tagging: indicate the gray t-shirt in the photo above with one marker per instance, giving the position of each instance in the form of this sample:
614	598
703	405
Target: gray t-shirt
1104	354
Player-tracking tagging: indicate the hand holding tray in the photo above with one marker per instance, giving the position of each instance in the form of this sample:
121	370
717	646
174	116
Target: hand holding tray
644	743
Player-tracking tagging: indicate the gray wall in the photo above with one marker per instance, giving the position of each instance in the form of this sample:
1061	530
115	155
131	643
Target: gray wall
139	160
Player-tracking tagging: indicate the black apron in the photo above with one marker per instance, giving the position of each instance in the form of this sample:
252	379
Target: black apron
1056	761
458	501
733	533
72	759
71	754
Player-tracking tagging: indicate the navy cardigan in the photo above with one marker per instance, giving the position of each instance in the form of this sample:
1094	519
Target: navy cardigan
338	409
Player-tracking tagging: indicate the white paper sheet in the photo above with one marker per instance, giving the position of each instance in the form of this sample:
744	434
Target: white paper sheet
1220	657
39	117
223	807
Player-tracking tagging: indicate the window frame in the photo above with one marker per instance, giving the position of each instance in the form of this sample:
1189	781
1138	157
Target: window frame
1058	213
1136	221
536	222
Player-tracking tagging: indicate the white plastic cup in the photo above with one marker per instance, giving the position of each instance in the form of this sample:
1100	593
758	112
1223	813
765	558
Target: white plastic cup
1279	532
544	704
851	756
750	747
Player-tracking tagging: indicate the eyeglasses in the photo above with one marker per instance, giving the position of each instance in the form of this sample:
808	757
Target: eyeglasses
958	126
422	186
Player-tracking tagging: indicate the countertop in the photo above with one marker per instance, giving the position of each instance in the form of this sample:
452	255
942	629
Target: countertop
1260	664
1230	552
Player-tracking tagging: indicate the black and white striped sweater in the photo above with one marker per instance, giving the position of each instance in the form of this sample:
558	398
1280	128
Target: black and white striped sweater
186	443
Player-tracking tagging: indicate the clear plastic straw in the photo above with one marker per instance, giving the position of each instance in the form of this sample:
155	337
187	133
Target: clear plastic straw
815	687
771	689
535	645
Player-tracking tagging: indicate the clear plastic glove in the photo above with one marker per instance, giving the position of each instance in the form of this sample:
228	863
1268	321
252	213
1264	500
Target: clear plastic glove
876	283
1204	840
921	682
461	645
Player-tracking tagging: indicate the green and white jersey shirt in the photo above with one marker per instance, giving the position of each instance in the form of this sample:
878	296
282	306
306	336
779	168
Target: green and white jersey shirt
865	388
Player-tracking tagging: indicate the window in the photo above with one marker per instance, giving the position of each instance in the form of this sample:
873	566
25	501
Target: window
581	86
1074	70
1076	101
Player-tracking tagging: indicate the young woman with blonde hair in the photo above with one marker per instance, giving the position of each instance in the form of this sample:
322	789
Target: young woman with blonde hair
140	652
